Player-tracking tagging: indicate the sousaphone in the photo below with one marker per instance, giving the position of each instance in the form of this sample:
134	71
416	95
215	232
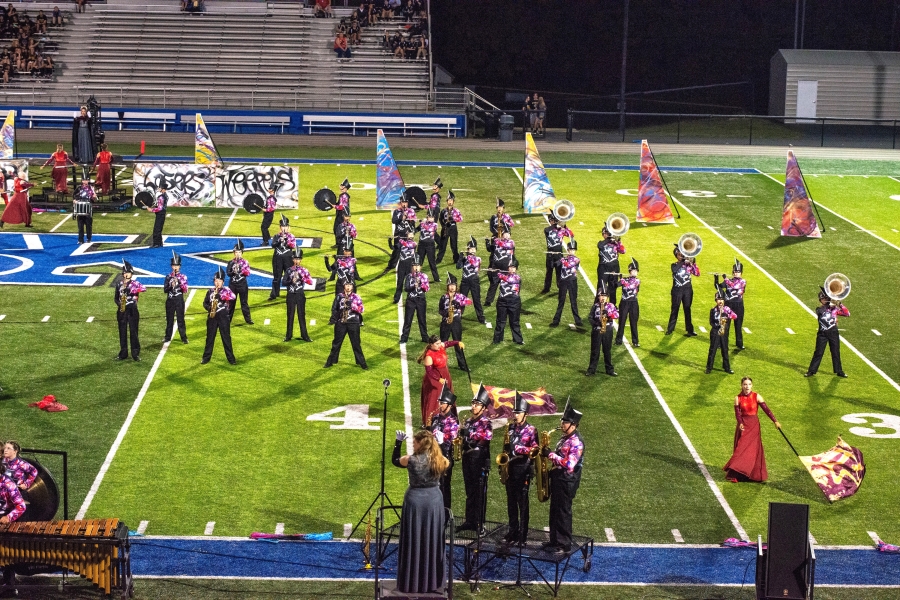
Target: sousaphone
837	286
690	245
617	224
563	210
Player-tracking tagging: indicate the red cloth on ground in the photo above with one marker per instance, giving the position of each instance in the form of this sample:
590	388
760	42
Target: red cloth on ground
431	387
19	208
748	461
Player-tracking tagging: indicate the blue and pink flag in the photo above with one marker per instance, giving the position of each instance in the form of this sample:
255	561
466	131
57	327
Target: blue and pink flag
653	203
389	187
538	195
797	217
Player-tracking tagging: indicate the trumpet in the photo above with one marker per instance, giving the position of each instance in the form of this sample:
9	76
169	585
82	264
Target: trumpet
617	224
837	286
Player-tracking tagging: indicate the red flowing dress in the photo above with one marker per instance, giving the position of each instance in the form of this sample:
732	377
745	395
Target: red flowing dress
60	161
431	385
103	162
748	462
19	208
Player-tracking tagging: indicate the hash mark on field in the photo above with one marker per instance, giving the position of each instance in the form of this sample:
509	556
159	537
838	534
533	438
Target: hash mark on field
488	324
297	217
527	325
2	317
770	227
874	536
90	319
279	528
135	214
572	326
876	332
738	226
45	319
228	222
267	322
658	328
168	214
610	534
894	230
703	329
103	214
747	330
142	527
199	216
312	322
677	535
832	228
348	527
789	330
209	528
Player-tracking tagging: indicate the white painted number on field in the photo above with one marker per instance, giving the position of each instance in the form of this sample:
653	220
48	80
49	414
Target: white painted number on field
895	197
627	192
697	193
891	422
356	416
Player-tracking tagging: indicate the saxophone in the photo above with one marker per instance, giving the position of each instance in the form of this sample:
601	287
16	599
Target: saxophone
603	318
542	477
457	444
503	459
345	310
451	312
214	304
723	322
123	297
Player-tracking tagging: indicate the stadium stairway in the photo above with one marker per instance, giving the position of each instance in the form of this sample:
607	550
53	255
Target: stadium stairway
249	57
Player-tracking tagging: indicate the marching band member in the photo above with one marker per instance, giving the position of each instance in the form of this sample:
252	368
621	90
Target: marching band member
128	317
827	314
601	317
567	267
22	472
476	434
720	318
628	306
449	218
608	268
522	440
85	193
348	232
159	210
347	317
451	307
344	267
497	220
283	244
470	264
12	505
427	234
748	461
436	376
60	160
554	234
268	211
294	280
341	211
445	427
416	285
682	291
218	304
405	260
564	480
433	207
238	269
502	253
103	162
509	305
403	221
733	288
175	286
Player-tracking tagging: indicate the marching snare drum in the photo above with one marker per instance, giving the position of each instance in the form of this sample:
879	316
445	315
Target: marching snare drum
83	208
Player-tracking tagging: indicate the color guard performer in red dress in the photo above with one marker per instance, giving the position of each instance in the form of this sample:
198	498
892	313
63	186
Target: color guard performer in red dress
60	160
748	461
19	208
434	359
103	162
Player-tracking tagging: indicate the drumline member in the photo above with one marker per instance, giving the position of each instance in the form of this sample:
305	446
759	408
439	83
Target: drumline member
283	244
103	162
509	305
218	305
427	234
175	286
344	267
238	269
60	160
347	317
826	314
22	472
449	218
341	211
403	221
12	505
405	260
718	333
567	280
434	202
127	315
601	317
554	234
470	264
565	479
85	193
415	285
608	268
451	307
294	280
445	428
682	291
503	251
628	306
476	433
522	440
348	231
268	211
733	289
159	210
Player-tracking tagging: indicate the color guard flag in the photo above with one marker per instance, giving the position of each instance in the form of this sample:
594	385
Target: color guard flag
838	472
502	399
538	195
797	218
8	137
389	186
653	204
205	152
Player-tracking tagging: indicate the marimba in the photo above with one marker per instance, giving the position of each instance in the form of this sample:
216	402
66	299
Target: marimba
97	549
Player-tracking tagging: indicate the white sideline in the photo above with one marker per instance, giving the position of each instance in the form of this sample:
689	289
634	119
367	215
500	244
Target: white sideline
228	222
131	413
404	373
812	313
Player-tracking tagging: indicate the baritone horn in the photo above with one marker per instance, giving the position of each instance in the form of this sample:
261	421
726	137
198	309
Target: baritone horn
563	210
617	224
837	286
690	245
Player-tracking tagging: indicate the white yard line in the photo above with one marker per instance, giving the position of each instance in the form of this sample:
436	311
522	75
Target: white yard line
209	528
610	534
58	225
279	528
228	222
131	413
852	348
679	429
142	527
404	371
676	535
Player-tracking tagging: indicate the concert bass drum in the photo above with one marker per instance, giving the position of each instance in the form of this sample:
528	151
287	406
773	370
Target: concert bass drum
253	203
144	199
42	498
416	197
325	199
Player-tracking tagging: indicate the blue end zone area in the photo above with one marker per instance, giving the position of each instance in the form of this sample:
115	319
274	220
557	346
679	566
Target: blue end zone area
192	557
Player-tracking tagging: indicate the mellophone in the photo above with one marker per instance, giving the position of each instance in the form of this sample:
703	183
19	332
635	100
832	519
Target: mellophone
96	549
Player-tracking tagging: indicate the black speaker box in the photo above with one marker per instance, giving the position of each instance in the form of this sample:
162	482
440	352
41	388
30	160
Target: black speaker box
787	571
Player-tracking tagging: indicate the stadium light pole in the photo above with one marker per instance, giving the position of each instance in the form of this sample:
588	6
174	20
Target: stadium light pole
624	63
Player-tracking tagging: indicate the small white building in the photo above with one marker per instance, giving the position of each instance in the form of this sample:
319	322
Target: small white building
835	83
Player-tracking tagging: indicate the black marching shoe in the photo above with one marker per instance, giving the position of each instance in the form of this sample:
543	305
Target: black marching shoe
691	334
204	361
841	374
708	371
590	372
618	342
166	340
635	345
729	371
554	323
466	527
808	374
232	362
306	339
120	357
287	339
612	373
136	358
184	340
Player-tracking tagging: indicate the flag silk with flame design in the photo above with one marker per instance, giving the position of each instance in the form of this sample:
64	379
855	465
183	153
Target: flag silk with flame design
838	472
502	399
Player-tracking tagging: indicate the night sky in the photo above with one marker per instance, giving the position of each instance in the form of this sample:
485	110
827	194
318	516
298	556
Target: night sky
570	50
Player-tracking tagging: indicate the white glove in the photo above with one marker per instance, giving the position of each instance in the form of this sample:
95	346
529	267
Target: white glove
401	435
439	436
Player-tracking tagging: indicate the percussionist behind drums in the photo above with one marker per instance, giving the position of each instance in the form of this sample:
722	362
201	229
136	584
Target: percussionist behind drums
83	209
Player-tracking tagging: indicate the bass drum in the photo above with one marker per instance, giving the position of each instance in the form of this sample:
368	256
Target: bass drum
253	203
325	199
144	199
416	197
42	498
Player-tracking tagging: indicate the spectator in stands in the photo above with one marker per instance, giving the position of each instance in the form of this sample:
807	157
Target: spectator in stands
418	8
362	15
355	31
10	11
421	47
6	68
80	6
542	111
342	27
341	47
400	49
530	109
408	10
373	13
323	8
195	6
392	9
56	20
41	22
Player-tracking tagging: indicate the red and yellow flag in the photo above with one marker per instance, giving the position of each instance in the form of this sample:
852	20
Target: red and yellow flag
838	472
540	402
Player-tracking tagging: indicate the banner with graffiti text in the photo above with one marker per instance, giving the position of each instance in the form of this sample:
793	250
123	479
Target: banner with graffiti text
186	184
245	186
540	402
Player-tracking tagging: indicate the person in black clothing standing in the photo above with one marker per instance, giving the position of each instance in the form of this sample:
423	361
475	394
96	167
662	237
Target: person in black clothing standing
608	269
733	289
450	216
341	211
601	317
405	259
826	314
434	202
523	439
283	245
682	291
238	269
427	236
85	193
344	267
509	305
554	234
567	267
176	286
565	478
628	306
347	317
470	264
503	250
720	318
445	428
127	315
450	307
268	211
403	223
159	209
416	286
218	318
476	433
294	280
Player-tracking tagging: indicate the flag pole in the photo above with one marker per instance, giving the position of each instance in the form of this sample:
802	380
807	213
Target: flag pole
789	443
661	178
468	369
